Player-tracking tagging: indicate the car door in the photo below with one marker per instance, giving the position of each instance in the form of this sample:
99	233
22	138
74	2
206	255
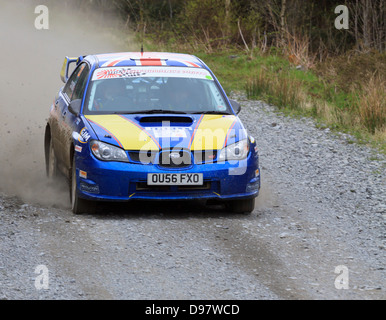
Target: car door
74	89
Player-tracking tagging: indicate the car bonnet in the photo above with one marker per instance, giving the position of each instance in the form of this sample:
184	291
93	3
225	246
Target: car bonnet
155	132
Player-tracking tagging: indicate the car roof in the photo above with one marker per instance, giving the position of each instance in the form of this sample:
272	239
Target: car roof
124	59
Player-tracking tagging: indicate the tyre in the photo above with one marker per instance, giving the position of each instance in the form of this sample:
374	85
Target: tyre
51	162
78	205
242	206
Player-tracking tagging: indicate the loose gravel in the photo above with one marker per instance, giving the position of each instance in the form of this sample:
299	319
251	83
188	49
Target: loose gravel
320	216
322	206
332	185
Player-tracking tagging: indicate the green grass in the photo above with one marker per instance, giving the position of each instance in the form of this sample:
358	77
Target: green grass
234	69
273	79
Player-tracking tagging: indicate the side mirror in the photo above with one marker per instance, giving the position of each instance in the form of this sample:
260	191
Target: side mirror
75	106
236	106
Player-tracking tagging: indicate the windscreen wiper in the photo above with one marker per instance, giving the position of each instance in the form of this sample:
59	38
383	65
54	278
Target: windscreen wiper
211	112
152	111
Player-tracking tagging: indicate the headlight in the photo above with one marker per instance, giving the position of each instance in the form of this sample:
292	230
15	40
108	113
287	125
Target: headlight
235	151
107	152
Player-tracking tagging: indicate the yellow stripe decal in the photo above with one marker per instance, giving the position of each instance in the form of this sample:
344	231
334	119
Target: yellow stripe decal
212	132
130	136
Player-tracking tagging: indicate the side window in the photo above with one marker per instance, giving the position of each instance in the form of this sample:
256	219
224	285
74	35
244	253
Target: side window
72	84
81	83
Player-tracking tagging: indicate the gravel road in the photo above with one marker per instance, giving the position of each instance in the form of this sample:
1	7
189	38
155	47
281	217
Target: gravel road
320	217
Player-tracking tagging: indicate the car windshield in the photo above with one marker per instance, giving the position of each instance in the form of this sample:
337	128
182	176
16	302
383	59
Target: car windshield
125	90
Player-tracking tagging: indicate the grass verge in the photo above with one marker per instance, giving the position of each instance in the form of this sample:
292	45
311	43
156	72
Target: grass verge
346	94
359	109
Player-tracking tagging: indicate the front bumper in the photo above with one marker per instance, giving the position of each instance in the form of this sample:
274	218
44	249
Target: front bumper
118	181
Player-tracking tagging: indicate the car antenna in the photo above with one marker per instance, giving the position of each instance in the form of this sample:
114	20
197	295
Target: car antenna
142	34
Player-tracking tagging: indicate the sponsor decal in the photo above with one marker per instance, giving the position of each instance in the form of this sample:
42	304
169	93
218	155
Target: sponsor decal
78	148
151	72
112	73
169	132
84	135
83	174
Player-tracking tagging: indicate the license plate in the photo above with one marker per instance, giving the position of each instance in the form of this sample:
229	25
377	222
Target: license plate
175	179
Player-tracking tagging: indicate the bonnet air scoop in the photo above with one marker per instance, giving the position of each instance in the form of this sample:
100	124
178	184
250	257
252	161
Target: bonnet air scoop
158	120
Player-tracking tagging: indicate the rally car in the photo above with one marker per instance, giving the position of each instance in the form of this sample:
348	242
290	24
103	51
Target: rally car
148	126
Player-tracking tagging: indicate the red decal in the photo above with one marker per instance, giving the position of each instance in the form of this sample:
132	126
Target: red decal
151	62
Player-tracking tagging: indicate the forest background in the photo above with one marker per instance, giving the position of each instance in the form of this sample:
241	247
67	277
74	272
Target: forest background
308	58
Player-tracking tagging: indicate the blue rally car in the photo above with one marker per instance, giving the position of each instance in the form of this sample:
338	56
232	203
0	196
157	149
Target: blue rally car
149	126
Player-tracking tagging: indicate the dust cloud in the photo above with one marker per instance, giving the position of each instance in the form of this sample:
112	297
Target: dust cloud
30	65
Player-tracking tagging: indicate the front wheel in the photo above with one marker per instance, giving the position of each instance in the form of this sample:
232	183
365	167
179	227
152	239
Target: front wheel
242	206
78	205
51	162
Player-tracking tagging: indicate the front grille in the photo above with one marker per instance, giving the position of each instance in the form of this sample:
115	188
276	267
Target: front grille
175	158
180	158
142	157
205	156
